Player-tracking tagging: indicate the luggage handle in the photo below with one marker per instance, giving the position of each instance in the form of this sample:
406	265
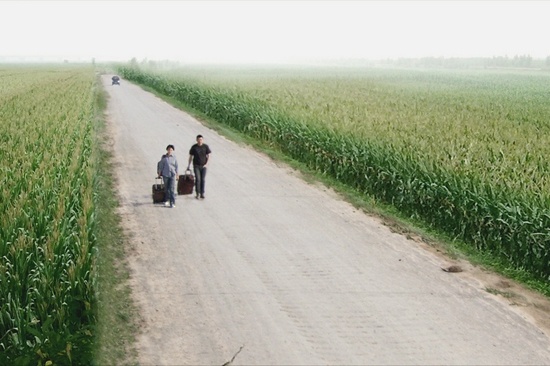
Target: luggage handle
188	170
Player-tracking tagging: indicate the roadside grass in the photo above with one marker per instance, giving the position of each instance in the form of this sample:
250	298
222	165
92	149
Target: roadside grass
412	228
505	294
117	317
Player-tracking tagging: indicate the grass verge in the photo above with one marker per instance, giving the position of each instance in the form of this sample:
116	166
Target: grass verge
117	317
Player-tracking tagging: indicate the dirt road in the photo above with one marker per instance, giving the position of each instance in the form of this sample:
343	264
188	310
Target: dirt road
287	269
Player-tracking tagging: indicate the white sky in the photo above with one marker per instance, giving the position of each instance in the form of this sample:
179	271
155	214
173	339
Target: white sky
272	31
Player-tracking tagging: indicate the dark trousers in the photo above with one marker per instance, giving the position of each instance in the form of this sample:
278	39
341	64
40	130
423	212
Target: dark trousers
200	174
169	184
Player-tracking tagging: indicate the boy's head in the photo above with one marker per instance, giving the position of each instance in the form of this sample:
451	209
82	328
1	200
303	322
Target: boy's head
199	139
170	148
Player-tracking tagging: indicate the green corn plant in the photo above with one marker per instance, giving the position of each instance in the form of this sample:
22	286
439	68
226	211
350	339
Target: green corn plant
46	235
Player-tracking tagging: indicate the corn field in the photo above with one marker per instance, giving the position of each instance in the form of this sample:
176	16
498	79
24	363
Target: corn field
47	204
464	151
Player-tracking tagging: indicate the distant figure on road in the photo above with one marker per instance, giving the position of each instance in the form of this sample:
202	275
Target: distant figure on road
199	155
168	170
116	80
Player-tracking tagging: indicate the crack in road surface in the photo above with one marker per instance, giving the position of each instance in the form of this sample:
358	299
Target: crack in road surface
230	362
286	267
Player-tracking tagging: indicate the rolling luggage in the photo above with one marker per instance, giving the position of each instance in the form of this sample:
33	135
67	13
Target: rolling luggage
158	192
186	183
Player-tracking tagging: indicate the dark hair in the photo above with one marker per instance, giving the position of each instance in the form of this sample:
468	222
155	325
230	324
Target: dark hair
171	146
199	136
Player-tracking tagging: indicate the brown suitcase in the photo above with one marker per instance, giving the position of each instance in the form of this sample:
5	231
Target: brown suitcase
158	192
186	182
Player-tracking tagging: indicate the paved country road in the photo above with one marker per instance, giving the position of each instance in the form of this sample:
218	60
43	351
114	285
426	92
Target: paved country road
287	269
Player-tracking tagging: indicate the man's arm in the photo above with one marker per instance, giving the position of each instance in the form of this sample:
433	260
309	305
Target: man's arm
208	152
160	166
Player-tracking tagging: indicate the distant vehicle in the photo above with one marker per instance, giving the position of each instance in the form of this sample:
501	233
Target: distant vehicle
116	80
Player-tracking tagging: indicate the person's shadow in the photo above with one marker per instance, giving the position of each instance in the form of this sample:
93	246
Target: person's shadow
145	200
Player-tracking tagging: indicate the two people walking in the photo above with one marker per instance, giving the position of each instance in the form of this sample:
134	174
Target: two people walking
167	168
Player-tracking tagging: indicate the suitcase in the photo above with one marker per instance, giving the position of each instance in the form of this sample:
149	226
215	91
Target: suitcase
186	182
158	192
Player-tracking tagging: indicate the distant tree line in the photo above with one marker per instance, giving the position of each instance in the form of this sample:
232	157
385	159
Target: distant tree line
517	61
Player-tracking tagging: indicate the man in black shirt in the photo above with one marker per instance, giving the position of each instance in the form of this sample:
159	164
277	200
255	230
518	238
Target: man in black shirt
199	154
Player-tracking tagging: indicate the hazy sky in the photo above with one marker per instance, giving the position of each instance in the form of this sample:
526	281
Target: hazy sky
272	31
